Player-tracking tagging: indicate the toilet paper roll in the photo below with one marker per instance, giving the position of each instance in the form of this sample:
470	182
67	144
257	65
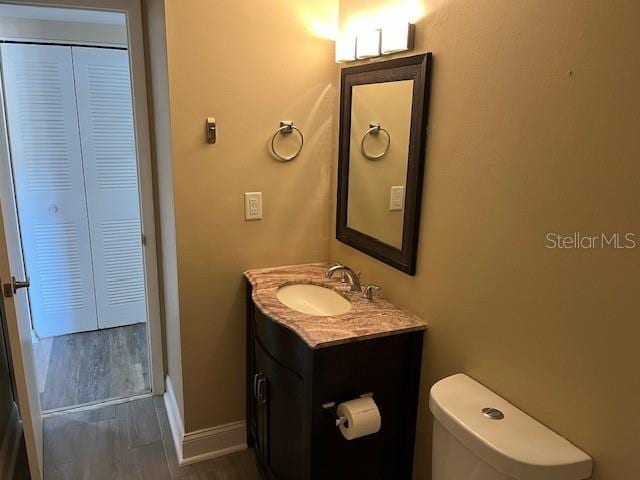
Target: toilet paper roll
362	417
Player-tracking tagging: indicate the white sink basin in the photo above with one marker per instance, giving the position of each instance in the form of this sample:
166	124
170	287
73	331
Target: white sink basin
313	300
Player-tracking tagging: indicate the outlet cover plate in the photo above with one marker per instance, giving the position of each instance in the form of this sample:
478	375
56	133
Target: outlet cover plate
253	206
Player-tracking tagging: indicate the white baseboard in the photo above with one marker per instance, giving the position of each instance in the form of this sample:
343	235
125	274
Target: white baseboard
10	444
175	418
202	444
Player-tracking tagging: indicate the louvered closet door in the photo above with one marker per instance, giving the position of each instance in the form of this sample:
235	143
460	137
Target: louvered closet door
103	89
47	165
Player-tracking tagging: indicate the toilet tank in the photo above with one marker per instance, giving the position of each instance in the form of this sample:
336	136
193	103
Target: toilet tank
478	435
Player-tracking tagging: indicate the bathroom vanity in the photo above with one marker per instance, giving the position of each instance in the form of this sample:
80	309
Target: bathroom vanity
300	366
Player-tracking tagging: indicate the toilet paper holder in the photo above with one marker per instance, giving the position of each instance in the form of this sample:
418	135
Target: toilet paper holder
332	409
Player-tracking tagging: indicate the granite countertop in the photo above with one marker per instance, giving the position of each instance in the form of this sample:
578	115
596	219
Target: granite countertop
366	319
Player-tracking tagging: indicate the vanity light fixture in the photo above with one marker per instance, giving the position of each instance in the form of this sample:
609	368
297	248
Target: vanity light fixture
397	38
368	44
391	38
345	48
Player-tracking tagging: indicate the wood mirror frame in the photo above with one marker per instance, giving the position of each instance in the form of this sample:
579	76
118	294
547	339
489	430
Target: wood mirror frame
418	69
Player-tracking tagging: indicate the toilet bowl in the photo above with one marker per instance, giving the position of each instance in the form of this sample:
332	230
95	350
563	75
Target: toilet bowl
478	435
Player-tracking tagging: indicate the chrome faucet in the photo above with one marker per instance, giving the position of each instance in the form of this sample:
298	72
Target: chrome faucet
351	276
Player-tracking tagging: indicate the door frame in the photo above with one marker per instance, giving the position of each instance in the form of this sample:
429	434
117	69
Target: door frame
133	11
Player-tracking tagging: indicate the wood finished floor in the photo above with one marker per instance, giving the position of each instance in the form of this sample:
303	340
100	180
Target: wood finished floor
128	441
94	366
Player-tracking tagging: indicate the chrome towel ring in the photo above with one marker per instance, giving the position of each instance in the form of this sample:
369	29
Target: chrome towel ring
375	129
286	128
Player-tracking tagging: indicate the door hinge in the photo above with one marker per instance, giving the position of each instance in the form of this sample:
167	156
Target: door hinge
7	290
144	240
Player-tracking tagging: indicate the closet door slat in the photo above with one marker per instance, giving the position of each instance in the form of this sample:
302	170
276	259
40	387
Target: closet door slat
50	191
103	87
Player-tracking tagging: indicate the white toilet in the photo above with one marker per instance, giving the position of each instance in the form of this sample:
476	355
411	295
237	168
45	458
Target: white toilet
478	435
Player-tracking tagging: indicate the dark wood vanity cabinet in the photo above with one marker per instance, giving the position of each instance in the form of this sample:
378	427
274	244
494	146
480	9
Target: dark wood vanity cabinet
288	383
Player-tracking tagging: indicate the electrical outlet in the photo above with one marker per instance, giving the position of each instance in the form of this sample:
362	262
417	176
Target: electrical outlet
253	206
396	198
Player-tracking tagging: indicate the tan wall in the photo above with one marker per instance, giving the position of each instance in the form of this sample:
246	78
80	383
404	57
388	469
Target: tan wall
370	181
54	31
159	106
533	129
249	64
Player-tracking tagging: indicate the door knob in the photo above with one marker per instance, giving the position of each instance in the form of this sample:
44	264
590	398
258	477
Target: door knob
17	284
10	288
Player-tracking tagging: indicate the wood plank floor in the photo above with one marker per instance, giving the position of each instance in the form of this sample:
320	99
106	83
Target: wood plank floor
94	366
128	441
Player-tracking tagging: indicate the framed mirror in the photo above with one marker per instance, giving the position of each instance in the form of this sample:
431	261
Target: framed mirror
383	128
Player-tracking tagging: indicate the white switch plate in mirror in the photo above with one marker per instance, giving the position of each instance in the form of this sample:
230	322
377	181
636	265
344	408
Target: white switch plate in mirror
396	199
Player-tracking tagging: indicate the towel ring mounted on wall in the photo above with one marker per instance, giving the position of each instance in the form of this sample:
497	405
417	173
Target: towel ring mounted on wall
286	128
375	129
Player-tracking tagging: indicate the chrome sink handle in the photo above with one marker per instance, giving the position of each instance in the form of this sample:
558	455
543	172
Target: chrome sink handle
368	291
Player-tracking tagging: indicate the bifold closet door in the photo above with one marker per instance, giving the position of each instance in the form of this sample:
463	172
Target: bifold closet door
103	88
50	191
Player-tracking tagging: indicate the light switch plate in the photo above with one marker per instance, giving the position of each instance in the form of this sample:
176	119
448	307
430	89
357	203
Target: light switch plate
396	198
253	206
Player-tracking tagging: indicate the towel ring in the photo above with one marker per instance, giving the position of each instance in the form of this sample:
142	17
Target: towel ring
375	129
286	128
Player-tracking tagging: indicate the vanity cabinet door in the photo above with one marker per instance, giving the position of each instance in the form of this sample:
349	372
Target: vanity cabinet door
283	407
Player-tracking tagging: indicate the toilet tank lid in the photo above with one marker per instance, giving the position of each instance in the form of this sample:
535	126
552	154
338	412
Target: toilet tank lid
517	445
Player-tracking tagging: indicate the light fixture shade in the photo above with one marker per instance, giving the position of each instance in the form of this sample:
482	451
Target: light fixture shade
397	37
368	44
345	48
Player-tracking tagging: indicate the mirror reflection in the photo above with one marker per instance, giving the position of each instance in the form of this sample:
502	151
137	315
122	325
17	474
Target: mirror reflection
378	159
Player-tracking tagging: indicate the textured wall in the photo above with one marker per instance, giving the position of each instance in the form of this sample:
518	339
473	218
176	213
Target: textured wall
533	129
249	64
